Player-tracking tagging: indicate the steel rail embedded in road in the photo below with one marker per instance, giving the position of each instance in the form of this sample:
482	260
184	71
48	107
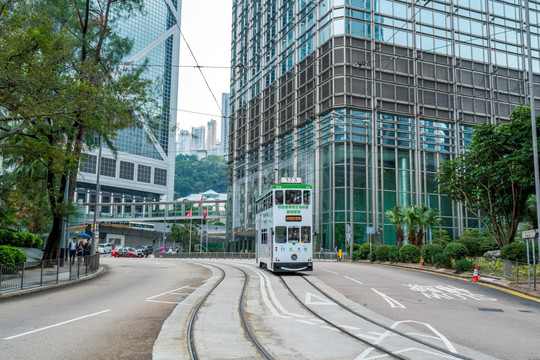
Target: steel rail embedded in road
191	342
244	320
376	323
378	347
245	325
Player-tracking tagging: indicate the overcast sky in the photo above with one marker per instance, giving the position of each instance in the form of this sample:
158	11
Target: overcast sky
206	26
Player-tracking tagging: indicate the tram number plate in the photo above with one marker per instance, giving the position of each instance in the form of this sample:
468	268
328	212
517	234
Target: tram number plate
293	218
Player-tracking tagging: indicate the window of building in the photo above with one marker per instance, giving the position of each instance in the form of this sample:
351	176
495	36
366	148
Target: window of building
108	167
143	173
127	170
88	163
160	176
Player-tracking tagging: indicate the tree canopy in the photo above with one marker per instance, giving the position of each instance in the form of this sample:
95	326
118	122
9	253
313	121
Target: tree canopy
494	178
193	176
62	86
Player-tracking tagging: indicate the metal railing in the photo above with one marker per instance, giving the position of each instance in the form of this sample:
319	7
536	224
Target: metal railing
20	276
238	255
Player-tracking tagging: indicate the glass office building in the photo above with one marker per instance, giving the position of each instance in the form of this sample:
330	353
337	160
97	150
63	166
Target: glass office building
144	167
364	99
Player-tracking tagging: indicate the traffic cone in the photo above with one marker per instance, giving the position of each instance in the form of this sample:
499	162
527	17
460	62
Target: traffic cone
422	261
475	273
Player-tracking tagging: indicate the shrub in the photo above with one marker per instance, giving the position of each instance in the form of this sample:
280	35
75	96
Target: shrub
455	251
355	255
365	249
440	237
517	251
409	253
441	260
373	254
429	251
26	239
476	242
382	253
394	253
11	258
38	242
7	237
355	248
464	265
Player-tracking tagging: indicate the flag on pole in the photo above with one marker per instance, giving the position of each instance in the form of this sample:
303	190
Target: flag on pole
200	202
205	213
188	215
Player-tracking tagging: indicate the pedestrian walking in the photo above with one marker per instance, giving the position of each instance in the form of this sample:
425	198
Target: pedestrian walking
73	250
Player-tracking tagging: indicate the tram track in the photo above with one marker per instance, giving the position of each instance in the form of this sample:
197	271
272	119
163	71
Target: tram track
262	352
444	352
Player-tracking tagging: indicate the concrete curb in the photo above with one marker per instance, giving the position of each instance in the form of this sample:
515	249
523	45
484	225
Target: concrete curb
102	270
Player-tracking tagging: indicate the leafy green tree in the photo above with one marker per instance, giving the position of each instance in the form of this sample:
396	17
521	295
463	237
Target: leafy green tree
396	217
81	92
426	218
181	233
496	176
194	175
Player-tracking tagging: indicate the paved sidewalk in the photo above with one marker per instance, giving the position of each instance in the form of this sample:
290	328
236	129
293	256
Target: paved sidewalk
49	282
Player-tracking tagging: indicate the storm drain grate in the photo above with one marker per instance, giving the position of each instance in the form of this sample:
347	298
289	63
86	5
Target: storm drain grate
490	309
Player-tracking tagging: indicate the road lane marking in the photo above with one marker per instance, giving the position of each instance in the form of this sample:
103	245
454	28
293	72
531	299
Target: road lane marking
393	303
361	283
55	325
165	293
332	272
163	302
322	301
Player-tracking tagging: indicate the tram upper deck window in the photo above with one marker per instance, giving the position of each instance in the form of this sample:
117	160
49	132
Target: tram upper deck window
281	234
279	197
306	234
294	233
293	197
307	196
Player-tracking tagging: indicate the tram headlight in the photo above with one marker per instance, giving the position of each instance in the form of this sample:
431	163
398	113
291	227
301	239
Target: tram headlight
294	257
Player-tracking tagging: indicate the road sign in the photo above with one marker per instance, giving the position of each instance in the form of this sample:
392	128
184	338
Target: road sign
370	230
528	234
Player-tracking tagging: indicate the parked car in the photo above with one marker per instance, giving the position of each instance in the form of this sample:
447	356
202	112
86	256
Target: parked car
146	249
114	252
128	252
105	248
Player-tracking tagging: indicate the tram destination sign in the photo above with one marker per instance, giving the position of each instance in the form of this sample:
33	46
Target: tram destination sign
293	218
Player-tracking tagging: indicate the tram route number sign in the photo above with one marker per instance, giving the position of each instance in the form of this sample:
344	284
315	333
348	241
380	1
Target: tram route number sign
528	234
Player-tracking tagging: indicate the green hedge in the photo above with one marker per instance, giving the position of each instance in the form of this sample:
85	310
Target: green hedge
11	258
394	253
382	253
429	251
441	260
409	253
456	251
464	265
20	239
517	251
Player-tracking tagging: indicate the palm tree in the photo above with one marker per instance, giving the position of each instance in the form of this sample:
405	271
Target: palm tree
410	216
395	217
426	218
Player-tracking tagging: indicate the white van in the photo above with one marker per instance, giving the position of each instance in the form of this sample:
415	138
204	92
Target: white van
105	248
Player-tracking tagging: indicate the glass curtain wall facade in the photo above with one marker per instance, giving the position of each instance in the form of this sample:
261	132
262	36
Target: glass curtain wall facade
144	167
364	99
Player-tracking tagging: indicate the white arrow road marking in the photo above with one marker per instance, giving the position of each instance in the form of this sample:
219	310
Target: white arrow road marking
393	303
322	301
55	325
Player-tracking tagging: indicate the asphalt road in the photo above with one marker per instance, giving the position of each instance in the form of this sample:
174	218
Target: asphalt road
491	321
115	316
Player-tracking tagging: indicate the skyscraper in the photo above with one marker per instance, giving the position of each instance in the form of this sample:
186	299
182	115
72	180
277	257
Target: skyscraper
198	139
144	168
211	135
364	99
183	145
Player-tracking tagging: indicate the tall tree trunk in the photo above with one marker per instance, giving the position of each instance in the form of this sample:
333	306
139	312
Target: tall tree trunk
399	236
53	242
412	236
420	237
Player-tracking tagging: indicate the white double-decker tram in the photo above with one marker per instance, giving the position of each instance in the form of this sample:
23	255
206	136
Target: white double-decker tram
284	227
